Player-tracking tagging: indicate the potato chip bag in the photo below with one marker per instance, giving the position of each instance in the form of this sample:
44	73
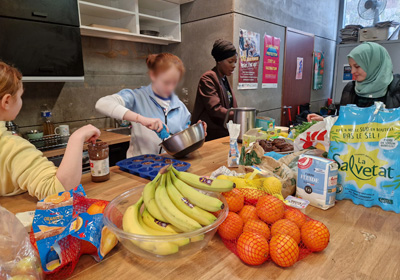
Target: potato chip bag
365	144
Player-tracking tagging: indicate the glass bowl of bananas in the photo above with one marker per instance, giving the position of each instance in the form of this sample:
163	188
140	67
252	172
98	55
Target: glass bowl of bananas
171	217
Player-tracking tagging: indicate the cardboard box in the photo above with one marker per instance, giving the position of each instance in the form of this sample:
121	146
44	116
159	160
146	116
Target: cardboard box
317	180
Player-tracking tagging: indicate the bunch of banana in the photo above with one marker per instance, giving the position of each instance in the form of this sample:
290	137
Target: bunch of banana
170	204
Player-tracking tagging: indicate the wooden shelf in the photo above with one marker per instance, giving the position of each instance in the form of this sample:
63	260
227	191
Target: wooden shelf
99	17
96	10
155	21
125	36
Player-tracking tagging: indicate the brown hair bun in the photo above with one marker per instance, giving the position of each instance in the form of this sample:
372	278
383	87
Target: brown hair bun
159	63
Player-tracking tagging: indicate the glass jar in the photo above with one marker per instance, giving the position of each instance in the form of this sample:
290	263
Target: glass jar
99	161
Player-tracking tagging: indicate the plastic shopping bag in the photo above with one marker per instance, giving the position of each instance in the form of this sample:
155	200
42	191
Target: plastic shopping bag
316	136
18	259
365	144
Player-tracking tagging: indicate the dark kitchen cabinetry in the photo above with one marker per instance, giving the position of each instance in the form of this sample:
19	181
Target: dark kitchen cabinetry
50	11
118	152
39	49
42	39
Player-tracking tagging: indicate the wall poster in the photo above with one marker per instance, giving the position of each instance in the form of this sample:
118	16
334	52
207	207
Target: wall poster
319	62
249	59
299	68
271	61
347	76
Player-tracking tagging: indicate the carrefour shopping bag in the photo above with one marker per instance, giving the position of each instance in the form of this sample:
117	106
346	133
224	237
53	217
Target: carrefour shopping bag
365	144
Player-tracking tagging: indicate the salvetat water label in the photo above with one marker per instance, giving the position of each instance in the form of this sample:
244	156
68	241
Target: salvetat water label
317	181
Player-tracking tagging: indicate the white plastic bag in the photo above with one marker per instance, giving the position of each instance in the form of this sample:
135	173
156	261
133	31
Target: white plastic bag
234	154
316	136
18	259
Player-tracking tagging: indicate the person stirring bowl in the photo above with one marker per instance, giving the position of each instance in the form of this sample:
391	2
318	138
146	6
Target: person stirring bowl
23	168
372	68
214	94
151	107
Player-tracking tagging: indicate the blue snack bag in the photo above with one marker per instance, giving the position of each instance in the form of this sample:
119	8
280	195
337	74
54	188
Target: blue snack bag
365	144
67	225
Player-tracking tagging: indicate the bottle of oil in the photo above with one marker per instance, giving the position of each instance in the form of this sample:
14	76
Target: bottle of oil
48	126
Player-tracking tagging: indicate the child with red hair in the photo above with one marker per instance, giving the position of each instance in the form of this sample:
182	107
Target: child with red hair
23	167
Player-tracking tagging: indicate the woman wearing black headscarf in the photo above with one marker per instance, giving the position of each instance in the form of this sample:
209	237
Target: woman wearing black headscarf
214	94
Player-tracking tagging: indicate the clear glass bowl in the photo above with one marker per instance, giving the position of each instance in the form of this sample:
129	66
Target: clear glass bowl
196	240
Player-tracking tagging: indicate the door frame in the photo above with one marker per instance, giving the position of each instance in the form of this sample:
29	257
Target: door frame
290	29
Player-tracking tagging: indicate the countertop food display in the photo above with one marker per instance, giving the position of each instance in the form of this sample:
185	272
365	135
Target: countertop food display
169	218
278	145
363	241
267	229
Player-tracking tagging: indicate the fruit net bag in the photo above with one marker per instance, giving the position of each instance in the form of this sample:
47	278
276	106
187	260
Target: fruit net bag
79	231
271	222
17	257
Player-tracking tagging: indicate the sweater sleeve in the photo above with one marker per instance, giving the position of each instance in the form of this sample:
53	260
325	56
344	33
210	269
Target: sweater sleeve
209	95
116	105
30	170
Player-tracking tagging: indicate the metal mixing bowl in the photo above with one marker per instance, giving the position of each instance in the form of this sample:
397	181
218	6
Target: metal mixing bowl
185	142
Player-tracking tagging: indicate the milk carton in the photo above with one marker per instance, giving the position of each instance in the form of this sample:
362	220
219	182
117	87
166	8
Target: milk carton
317	180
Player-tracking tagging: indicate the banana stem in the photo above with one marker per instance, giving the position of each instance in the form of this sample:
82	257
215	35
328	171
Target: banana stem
164	169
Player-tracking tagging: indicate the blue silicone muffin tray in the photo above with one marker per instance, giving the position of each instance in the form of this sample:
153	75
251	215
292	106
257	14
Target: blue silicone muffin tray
147	166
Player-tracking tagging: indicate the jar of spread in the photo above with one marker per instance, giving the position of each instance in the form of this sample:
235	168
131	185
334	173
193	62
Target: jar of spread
99	161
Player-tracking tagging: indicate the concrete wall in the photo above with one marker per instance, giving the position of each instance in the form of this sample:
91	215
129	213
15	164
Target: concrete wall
203	21
195	51
262	99
109	67
317	17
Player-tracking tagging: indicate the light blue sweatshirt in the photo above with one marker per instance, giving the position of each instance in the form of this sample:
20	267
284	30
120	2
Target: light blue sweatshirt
144	102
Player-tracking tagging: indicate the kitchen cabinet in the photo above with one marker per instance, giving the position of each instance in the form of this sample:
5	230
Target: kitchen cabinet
63	12
42	39
127	19
43	50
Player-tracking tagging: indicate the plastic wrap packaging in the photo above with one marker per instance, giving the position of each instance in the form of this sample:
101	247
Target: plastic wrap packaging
18	259
234	155
365	144
67	225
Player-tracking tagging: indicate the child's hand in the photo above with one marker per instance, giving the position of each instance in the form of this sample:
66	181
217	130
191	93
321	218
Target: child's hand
204	125
88	133
153	124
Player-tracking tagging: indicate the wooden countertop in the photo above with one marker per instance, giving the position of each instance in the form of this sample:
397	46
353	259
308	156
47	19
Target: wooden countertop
364	244
106	136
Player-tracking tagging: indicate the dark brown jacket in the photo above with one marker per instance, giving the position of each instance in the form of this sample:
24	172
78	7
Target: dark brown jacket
212	104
